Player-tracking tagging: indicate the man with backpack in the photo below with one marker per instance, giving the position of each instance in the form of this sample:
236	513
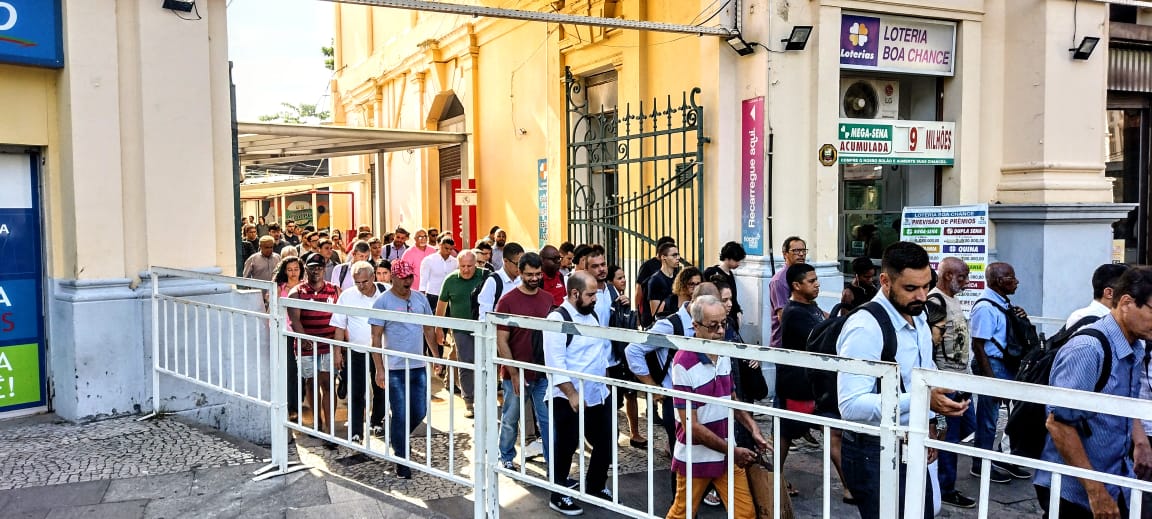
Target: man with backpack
1096	441
998	342
950	351
891	328
588	356
501	281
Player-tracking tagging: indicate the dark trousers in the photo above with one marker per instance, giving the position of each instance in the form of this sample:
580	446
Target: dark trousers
293	378
1068	509
356	364
597	432
433	299
959	427
668	420
860	459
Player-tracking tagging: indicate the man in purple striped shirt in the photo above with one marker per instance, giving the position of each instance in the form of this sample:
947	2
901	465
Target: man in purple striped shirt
708	375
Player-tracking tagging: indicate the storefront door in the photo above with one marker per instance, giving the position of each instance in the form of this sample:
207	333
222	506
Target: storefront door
22	367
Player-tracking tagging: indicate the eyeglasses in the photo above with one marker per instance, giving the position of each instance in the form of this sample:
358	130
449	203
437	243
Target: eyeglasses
712	327
798	251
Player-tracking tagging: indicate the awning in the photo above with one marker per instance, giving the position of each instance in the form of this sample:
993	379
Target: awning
273	143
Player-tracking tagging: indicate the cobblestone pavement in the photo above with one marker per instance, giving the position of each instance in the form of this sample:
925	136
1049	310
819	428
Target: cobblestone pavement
47	451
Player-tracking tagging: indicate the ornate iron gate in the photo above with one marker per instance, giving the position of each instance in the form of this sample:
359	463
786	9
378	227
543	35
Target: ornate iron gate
633	177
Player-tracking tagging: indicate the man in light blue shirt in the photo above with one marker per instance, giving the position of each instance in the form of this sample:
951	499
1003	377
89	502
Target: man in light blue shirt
989	339
1098	441
904	283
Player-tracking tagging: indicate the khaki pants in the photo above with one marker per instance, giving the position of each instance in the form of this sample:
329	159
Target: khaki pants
741	501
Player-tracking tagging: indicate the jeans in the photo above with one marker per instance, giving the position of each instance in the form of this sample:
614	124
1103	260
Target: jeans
959	427
860	459
358	398
510	416
466	353
597	432
407	404
988	410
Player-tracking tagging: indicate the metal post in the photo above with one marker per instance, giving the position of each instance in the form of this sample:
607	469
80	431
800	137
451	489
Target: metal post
889	443
917	455
487	500
155	347
277	370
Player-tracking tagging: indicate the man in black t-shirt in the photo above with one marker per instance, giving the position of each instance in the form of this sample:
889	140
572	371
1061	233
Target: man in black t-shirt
649	267
658	293
801	315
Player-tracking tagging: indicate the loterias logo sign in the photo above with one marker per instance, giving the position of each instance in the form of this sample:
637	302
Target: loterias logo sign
30	33
897	44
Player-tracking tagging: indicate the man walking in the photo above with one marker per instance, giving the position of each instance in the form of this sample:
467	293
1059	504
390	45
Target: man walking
1104	281
356	330
434	269
950	351
660	300
709	375
456	301
589	356
989	340
795	251
904	279
341	275
395	250
1098	441
406	380
800	316
293	236
516	344
509	278
262	265
553	280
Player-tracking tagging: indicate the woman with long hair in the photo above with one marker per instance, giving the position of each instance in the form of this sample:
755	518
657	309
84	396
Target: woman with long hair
682	287
288	275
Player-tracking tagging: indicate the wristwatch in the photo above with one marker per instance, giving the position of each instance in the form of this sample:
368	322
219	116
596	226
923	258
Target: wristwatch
941	425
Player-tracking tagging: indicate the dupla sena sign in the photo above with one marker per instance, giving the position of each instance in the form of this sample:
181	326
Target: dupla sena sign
30	33
897	44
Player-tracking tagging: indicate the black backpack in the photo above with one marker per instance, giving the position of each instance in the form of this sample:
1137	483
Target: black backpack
538	336
474	297
625	318
1020	336
656	369
1026	421
822	339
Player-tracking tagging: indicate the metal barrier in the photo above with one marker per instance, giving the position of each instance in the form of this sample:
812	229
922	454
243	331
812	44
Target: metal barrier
918	441
243	353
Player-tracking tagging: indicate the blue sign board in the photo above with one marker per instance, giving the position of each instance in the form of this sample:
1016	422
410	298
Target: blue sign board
31	33
22	367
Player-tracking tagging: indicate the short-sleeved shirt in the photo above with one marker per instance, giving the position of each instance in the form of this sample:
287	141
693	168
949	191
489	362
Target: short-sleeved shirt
1077	366
797	322
989	323
778	295
953	352
555	286
517	302
457	292
660	289
403	337
694	372
358	329
316	322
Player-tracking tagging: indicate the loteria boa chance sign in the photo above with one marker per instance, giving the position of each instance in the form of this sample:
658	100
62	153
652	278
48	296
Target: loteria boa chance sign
897	44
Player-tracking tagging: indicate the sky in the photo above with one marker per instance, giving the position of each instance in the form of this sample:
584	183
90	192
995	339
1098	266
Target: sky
275	49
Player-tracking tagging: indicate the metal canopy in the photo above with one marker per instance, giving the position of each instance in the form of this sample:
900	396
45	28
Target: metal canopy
272	143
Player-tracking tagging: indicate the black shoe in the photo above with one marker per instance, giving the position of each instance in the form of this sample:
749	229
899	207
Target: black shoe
403	472
1015	471
997	475
958	500
571	483
565	505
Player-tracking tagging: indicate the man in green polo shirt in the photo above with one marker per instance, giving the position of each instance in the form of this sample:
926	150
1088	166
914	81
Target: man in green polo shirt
456	301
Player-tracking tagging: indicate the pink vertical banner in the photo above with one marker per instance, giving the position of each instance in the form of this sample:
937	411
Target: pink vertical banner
751	175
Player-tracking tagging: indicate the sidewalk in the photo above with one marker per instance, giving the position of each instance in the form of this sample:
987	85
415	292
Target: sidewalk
166	468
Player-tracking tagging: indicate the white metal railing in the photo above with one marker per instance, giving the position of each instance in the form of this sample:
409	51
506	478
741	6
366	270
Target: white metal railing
243	353
918	440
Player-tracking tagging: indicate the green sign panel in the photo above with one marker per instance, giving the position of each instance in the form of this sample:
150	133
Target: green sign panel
922	231
19	374
866	132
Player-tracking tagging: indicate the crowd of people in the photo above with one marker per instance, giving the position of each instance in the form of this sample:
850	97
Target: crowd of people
901	310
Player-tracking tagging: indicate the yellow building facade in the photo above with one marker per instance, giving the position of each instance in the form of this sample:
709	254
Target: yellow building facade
1025	124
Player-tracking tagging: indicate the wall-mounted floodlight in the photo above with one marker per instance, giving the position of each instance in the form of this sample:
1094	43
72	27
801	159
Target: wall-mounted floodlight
799	38
1084	50
741	47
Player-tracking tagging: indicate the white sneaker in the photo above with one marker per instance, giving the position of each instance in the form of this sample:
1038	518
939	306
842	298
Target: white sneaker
534	449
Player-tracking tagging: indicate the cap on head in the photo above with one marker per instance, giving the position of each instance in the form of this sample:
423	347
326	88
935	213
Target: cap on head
314	260
402	269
